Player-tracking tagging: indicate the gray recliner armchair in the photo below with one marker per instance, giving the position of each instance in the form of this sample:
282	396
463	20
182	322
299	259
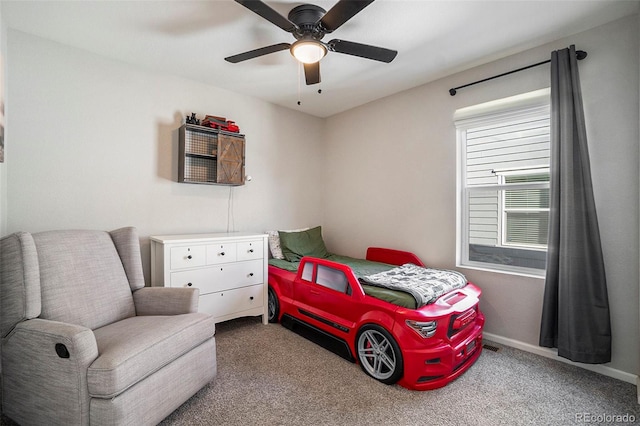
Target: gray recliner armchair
84	342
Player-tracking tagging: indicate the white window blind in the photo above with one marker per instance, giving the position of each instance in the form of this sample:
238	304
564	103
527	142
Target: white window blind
526	211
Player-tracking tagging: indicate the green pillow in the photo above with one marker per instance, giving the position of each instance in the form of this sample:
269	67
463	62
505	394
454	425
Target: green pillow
296	245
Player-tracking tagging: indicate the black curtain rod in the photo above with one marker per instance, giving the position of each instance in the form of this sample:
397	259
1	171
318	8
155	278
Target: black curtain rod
580	55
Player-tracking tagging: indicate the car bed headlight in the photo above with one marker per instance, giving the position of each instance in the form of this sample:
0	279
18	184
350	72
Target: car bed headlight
423	328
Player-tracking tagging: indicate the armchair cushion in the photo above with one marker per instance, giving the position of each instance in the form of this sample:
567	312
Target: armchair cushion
82	278
136	347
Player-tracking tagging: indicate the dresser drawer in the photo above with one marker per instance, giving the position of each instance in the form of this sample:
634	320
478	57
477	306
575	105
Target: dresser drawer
222	277
221	253
188	256
248	250
204	279
232	301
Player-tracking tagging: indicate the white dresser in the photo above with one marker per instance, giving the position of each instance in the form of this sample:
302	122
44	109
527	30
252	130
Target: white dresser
230	269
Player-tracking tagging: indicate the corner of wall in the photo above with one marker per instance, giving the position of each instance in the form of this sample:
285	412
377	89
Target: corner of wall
3	167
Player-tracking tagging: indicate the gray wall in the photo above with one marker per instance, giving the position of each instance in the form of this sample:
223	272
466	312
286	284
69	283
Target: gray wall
397	170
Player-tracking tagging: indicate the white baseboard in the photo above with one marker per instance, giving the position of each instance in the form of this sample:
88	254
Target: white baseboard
553	354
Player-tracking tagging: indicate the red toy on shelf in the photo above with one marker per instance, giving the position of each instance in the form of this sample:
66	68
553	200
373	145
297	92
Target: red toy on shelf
220	123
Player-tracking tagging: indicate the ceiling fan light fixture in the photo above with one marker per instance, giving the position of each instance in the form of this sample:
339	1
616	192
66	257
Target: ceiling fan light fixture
308	51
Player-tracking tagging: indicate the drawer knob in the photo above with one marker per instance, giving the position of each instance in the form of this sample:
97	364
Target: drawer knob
251	298
189	257
250	274
250	250
189	284
221	253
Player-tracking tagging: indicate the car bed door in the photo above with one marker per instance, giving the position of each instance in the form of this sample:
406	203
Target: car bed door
324	295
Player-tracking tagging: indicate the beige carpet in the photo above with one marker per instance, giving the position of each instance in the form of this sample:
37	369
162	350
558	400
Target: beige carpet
268	375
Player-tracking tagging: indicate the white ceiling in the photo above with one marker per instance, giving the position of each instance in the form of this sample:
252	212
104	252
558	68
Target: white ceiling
192	38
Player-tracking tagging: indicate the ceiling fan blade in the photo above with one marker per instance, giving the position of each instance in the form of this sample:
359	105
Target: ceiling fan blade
312	73
341	12
257	52
262	9
362	50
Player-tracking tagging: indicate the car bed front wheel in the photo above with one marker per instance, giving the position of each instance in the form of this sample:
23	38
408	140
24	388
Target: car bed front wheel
379	354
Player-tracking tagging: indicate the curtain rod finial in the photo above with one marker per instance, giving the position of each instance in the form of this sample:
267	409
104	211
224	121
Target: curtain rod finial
581	54
452	92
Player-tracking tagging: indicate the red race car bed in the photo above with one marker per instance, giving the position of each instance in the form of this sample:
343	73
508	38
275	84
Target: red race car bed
363	310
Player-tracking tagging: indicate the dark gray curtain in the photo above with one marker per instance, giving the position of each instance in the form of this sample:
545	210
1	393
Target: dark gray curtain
575	314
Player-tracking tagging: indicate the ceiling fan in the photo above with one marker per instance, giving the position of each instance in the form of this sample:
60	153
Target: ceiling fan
309	23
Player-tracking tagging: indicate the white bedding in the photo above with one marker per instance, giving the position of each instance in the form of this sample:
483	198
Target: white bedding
426	285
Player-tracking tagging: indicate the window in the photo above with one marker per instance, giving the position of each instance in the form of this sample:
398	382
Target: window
503	180
327	277
332	278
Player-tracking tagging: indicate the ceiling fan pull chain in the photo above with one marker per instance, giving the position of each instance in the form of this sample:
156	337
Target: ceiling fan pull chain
299	79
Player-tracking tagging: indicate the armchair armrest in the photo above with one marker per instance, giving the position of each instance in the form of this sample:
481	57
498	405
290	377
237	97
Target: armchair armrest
165	300
44	369
39	335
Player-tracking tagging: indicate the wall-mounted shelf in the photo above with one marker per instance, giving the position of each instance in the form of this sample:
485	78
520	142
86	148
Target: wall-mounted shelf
210	156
